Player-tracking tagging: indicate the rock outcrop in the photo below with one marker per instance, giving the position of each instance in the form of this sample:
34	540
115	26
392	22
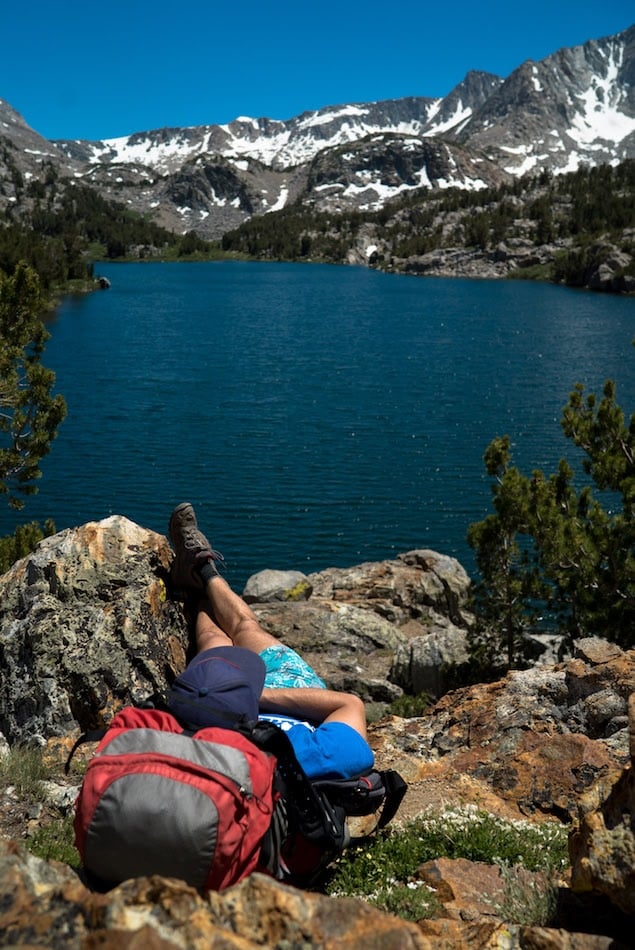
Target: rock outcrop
86	626
529	744
89	623
362	626
609	269
602	847
47	905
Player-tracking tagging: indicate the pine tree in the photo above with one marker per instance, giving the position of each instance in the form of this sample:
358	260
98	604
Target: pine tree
599	428
29	413
506	599
554	557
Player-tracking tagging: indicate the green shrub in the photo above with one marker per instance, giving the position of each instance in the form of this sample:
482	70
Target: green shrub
383	871
409	707
54	841
22	542
413	901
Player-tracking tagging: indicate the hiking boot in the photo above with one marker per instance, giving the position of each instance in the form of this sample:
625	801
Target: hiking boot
192	548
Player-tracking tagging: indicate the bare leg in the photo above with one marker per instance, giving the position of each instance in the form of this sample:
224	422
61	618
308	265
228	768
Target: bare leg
228	620
236	618
194	562
229	616
208	633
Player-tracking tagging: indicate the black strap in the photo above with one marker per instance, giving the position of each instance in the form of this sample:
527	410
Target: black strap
371	793
396	788
309	810
305	821
91	735
374	793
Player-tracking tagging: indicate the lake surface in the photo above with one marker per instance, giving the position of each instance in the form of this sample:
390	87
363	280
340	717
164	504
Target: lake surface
315	415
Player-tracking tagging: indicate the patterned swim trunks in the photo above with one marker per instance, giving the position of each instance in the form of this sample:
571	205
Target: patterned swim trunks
287	670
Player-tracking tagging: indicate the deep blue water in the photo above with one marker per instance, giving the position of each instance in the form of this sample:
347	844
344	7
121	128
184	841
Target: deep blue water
315	415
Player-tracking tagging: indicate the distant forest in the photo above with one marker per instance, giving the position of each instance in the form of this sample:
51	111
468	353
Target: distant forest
69	226
579	207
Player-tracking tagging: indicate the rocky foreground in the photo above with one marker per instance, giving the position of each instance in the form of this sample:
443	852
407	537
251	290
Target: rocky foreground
89	623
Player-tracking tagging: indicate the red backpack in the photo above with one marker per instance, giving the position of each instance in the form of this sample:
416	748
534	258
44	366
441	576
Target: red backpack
212	806
158	800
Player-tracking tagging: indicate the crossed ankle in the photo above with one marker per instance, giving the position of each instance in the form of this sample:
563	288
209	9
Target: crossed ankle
207	571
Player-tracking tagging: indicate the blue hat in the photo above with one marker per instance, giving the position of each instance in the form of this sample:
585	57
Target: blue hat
219	687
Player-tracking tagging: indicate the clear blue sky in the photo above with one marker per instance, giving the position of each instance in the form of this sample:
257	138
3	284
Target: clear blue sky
93	71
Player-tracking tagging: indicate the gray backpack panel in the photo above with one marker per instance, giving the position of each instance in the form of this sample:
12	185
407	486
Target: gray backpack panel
207	755
166	827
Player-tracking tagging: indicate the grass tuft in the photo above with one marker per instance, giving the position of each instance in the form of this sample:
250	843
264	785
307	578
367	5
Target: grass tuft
23	768
54	841
527	902
383	870
410	707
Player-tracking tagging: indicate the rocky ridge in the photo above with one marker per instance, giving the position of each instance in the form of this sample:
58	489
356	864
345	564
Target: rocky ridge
575	106
89	622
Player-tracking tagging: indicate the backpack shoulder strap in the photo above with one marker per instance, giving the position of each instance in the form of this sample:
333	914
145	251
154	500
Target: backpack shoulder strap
307	830
374	791
310	812
91	735
130	717
396	789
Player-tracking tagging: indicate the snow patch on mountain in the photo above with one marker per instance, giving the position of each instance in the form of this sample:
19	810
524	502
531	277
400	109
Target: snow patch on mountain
455	121
599	115
575	106
323	118
283	197
582	89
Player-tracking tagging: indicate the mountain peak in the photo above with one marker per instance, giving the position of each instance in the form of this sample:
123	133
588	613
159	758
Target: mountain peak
575	106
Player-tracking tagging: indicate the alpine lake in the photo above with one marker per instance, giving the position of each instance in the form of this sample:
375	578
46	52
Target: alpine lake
315	415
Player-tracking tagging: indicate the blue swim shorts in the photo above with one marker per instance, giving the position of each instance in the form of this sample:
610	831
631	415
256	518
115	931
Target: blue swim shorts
287	670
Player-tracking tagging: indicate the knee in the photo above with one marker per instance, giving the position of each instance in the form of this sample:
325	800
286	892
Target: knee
209	639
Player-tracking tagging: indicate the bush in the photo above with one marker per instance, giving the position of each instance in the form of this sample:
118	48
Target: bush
410	707
554	557
54	841
22	542
384	870
24	769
